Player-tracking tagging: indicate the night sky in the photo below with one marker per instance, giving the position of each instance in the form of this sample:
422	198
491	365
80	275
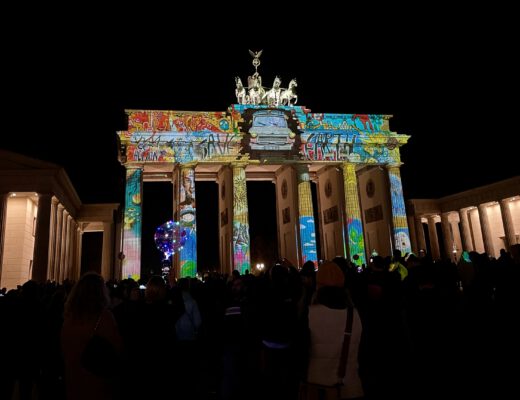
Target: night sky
68	84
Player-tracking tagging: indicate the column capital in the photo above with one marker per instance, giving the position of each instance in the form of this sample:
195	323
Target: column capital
348	166
188	165
393	166
482	207
61	207
239	164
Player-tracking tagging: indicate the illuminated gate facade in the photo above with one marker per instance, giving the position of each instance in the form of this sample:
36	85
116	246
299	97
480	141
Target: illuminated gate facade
354	160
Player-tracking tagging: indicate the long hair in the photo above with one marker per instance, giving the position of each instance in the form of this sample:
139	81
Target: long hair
88	297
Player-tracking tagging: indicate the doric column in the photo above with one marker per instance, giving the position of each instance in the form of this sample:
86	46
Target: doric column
71	270
400	225
467	241
73	247
3	215
58	239
448	235
353	224
64	241
187	218
307	242
106	255
434	240
413	234
132	224
486	230
456	240
419	230
68	265
175	257
52	239
241	244
507	220
78	253
41	242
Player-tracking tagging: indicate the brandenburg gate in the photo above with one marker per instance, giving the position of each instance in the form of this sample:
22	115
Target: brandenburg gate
354	160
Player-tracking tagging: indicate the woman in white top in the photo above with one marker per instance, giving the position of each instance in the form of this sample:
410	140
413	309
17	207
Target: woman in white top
327	322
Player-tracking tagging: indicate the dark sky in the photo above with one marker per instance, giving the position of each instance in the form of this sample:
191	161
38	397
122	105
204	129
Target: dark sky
450	86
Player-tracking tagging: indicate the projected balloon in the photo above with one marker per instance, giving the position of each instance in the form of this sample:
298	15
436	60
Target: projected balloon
169	238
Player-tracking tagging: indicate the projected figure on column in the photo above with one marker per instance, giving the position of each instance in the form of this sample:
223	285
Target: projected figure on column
187	218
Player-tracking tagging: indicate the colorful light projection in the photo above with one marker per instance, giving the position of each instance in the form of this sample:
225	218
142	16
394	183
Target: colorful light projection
169	238
307	228
132	225
172	136
187	219
241	244
185	137
354	226
400	225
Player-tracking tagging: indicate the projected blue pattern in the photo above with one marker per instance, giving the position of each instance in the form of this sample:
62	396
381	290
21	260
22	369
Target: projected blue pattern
308	239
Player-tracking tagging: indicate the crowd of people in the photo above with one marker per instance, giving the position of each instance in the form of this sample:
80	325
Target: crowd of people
420	329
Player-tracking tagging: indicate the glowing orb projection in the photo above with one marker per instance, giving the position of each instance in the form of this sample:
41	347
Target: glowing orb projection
170	238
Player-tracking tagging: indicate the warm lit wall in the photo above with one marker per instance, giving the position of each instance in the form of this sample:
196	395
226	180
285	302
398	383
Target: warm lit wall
287	227
19	241
377	233
332	232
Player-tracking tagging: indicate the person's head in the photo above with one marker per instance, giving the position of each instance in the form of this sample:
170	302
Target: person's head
155	290
329	274
88	298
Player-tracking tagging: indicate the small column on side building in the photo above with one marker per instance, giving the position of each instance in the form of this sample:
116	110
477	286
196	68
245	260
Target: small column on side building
63	247
52	238
507	220
308	250
41	243
241	243
57	249
132	224
467	241
68	265
400	225
187	218
419	230
448	236
486	230
413	234
79	243
3	215
434	239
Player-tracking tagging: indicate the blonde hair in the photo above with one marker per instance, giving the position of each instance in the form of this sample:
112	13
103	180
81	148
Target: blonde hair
88	297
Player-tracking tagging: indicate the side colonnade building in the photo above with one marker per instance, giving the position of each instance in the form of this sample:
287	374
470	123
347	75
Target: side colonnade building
484	219
42	221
